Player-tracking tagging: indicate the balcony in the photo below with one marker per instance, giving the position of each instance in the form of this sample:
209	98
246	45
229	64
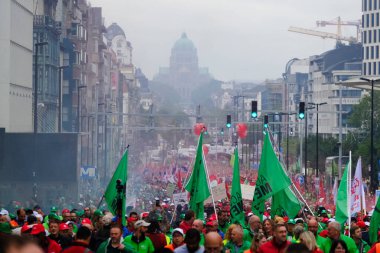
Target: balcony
46	22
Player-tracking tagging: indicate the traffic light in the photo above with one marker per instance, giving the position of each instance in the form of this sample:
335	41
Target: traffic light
222	131
266	121
254	109
301	110
228	124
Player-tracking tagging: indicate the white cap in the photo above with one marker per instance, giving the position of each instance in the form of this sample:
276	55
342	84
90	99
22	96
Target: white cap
367	223
4	212
141	223
179	230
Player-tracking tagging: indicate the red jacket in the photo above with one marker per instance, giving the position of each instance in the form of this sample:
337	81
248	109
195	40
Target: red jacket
272	247
77	247
53	246
185	226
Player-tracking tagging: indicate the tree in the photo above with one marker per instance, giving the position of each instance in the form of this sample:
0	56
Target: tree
358	140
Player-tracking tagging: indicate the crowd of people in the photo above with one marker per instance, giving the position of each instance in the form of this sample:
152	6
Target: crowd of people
166	228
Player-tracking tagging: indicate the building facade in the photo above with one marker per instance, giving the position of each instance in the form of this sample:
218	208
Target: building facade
16	55
371	37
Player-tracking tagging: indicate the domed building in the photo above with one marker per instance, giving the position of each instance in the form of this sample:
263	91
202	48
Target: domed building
119	44
183	74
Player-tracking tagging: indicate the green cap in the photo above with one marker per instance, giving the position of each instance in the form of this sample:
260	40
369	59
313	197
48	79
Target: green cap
323	211
80	213
291	221
98	213
159	218
5	228
53	216
53	209
182	216
12	216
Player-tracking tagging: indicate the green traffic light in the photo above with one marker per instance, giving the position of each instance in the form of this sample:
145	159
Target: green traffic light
228	125
254	114
265	125
301	115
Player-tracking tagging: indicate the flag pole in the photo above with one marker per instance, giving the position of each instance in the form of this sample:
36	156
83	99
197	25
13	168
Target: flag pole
209	185
349	194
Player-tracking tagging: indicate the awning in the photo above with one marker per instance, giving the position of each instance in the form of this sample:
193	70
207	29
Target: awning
360	84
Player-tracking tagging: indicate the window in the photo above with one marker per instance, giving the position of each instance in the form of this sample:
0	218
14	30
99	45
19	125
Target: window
364	68
364	5
367	20
372	20
369	36
375	4
374	36
369	69
377	52
374	68
370	5
377	19
372	52
367	52
364	37
362	21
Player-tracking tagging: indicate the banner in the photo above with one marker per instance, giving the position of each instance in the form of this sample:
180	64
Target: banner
219	193
356	188
247	191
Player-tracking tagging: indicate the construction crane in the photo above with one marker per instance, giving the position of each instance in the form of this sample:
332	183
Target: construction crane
324	35
339	23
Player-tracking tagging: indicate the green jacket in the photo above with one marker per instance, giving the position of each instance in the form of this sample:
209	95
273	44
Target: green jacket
320	241
348	240
231	246
144	246
103	248
363	247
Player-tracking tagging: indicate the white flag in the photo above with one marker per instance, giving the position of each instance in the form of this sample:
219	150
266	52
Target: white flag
356	188
335	189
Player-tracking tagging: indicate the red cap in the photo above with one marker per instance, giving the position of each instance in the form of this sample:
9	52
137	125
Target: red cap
325	220
286	218
37	229
361	224
86	221
65	211
212	217
25	228
144	215
132	219
209	223
63	226
323	233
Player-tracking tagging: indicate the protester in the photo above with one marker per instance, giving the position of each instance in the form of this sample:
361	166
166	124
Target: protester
258	240
278	243
213	243
114	243
156	236
187	223
312	226
227	236
198	225
253	229
237	244
81	243
47	244
192	240
333	233
138	240
307	238
356	235
339	246
177	239
268	228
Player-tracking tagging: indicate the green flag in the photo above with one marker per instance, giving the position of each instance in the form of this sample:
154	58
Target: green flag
197	184
375	222
341	213
285	201
111	195
236	203
271	178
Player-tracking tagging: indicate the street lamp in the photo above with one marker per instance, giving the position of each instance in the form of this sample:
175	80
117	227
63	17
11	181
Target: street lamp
373	170
317	145
36	46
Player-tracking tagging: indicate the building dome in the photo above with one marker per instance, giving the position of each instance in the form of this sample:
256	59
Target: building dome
183	43
113	31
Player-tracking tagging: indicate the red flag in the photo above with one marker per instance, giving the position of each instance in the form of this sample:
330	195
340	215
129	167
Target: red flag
228	190
179	179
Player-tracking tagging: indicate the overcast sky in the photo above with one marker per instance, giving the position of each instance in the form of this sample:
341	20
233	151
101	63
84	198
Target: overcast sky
236	39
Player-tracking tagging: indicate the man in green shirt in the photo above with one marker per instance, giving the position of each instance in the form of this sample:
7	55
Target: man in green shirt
333	233
138	240
313	227
237	244
356	235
